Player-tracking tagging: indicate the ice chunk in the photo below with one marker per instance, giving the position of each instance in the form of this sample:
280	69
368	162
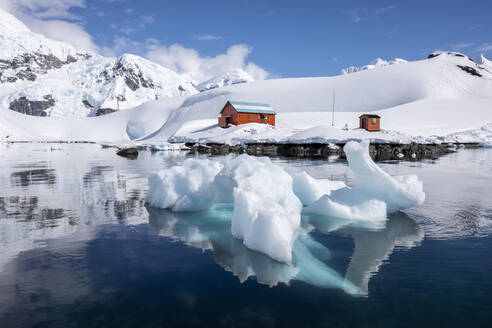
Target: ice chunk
266	212
309	189
184	188
349	205
375	193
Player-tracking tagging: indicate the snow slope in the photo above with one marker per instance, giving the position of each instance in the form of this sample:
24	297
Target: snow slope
415	101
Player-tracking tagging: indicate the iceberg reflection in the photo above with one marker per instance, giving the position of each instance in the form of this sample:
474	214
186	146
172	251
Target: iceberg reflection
374	243
211	230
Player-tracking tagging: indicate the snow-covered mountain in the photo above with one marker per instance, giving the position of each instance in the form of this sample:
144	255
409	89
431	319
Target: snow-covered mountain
483	62
446	96
233	77
378	62
42	77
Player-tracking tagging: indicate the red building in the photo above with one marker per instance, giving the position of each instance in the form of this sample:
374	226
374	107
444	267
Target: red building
370	122
240	112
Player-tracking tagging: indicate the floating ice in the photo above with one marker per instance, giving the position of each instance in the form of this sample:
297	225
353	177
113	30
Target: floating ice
309	189
267	201
375	193
266	212
184	188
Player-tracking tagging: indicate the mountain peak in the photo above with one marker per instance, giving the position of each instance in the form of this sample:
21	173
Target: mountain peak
235	76
482	60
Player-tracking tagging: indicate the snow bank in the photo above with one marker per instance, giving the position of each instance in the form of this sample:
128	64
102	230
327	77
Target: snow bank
375	193
184	188
309	189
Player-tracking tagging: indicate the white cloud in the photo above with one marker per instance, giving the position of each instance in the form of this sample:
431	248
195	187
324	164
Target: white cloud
207	37
188	61
383	9
355	17
147	19
122	45
484	47
60	30
129	10
363	14
127	30
49	17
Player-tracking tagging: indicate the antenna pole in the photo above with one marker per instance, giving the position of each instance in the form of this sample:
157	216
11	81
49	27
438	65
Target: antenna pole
333	112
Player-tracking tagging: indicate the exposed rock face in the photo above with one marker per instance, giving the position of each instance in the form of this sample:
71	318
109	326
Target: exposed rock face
104	111
379	152
32	107
29	66
470	70
87	104
132	76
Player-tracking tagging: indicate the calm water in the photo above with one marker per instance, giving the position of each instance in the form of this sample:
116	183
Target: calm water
79	248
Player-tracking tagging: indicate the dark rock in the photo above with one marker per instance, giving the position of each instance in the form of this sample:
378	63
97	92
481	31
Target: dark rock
104	111
131	152
470	70
131	82
133	79
32	107
433	55
378	152
87	104
29	65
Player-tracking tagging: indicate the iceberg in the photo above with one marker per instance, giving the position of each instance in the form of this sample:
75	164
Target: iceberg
184	188
375	193
266	212
268	202
309	189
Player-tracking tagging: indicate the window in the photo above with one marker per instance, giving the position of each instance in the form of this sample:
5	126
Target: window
373	121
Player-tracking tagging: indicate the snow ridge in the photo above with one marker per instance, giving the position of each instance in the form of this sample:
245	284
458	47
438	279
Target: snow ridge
376	63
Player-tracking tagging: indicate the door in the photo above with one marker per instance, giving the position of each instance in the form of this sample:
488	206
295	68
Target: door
364	126
262	118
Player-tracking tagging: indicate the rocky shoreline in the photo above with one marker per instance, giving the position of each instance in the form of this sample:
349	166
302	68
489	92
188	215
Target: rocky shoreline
378	151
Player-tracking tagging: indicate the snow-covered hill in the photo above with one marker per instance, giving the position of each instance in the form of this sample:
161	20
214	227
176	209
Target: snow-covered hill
437	96
378	62
42	77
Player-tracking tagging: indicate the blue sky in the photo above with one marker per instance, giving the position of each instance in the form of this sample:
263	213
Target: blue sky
285	38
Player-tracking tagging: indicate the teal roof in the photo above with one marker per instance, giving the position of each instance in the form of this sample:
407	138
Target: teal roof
244	103
251	107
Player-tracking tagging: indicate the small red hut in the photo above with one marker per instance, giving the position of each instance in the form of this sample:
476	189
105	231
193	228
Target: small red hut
240	112
370	122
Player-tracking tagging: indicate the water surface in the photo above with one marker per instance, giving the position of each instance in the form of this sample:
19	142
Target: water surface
79	248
